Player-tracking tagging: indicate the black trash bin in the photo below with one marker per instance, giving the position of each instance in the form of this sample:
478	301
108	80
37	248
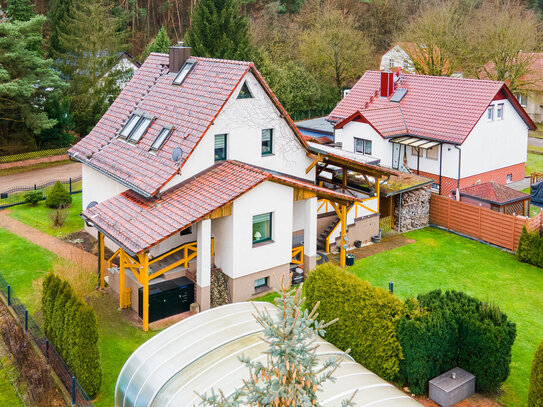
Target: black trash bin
349	259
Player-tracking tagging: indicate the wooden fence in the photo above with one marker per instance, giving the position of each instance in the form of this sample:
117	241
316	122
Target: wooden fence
480	223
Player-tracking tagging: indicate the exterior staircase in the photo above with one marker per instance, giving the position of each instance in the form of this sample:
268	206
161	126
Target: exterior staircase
321	240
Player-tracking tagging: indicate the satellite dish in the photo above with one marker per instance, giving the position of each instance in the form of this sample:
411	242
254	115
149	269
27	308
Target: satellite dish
93	203
177	154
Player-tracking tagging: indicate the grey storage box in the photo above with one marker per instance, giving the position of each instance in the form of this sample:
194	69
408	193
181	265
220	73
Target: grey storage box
452	387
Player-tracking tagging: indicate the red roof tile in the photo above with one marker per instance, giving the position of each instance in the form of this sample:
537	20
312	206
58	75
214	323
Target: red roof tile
138	224
494	192
436	107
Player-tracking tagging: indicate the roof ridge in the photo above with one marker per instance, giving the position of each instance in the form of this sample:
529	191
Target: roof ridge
224	61
404	73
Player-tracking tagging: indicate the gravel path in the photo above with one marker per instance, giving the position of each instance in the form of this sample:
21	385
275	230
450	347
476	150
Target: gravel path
29	178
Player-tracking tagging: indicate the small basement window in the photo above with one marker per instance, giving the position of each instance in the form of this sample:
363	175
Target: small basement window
245	93
140	129
129	126
499	112
267	142
262	225
261	283
220	147
184	72
161	138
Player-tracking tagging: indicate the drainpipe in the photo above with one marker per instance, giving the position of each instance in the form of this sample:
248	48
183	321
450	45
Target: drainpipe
418	160
459	165
440	164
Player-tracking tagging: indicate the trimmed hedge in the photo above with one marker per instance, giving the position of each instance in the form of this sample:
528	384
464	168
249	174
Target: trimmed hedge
58	197
33	197
367	317
453	329
535	394
71	326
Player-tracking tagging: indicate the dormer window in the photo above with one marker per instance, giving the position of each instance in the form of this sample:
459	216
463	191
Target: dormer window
184	72
140	129
245	93
161	138
130	124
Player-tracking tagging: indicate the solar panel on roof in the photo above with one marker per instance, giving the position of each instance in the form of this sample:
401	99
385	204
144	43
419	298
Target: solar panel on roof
398	95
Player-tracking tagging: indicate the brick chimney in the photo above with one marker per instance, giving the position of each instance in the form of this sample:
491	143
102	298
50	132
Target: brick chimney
178	56
387	84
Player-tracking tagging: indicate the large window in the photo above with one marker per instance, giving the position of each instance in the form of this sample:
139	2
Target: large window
262	227
267	141
220	147
432	153
362	146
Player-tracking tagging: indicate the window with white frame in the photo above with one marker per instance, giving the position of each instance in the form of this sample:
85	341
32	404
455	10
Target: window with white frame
262	227
432	153
509	178
362	146
499	111
220	147
490	113
522	99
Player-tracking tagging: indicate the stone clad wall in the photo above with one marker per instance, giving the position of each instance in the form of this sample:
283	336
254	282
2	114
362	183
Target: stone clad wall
414	212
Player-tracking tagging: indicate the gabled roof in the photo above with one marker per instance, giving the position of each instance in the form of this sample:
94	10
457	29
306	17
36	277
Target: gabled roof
138	224
190	108
435	107
493	192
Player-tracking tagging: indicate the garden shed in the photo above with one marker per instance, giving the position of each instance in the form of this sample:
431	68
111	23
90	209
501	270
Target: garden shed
201	353
497	197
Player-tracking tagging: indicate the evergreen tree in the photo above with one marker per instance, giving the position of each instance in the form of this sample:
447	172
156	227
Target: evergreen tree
535	394
27	82
57	14
219	30
292	6
20	10
525	246
290	376
161	43
92	40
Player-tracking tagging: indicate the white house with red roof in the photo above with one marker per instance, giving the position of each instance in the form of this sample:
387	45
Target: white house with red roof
202	186
455	131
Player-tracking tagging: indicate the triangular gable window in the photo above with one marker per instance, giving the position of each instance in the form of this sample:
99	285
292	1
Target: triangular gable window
245	93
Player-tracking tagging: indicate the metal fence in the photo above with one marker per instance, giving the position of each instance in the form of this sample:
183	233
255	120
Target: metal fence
15	195
78	395
33	154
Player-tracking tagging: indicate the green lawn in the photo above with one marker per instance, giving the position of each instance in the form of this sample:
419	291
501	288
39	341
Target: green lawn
8	396
23	262
442	260
534	163
38	217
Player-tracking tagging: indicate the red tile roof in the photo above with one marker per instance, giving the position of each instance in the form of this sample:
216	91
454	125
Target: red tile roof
532	81
190	108
494	193
138	224
435	107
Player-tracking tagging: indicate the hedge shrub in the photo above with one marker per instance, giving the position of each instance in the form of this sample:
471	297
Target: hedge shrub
535	394
58	197
71	326
453	329
367	317
33	197
530	248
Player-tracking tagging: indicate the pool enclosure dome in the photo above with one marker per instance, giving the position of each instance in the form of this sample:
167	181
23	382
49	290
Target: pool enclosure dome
201	353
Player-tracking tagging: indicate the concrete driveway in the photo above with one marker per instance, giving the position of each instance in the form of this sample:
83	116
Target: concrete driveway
534	141
29	178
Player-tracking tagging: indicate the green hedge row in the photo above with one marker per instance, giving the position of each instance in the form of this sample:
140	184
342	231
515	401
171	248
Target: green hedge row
535	395
413	342
71	326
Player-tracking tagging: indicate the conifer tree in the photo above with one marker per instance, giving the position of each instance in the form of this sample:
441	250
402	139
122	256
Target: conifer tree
535	394
20	10
57	14
219	30
290	377
161	43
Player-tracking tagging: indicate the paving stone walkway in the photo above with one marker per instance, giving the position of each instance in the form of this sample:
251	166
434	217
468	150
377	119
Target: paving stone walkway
51	243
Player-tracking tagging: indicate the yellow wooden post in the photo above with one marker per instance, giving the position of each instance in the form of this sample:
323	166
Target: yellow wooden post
145	282
342	237
102	260
378	189
122	262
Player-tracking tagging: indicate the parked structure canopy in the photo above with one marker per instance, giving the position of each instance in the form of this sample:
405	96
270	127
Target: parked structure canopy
201	353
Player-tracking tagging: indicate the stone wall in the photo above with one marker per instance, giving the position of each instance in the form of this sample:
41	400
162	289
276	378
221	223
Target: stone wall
414	210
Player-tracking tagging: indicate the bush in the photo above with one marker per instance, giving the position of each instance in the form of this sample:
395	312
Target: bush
58	216
525	246
58	197
454	329
33	197
368	317
71	326
535	394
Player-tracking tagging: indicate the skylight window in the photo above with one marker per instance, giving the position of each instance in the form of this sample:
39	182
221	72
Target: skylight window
245	93
161	138
140	129
183	72
129	126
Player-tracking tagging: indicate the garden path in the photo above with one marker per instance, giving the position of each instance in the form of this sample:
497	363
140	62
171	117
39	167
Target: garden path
51	243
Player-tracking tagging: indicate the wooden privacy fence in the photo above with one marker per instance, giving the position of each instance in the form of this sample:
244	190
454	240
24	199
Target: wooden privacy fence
480	223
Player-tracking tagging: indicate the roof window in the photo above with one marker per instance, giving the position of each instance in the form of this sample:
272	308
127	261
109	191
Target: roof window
140	129
184	72
245	93
161	138
130	124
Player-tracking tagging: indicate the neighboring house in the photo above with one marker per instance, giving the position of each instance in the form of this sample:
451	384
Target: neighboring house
497	197
532	99
199	181
455	131
127	66
318	129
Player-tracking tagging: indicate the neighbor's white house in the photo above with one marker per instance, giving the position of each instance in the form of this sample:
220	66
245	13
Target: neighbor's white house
197	167
455	131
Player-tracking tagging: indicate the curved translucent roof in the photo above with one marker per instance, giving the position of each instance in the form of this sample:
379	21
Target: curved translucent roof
201	352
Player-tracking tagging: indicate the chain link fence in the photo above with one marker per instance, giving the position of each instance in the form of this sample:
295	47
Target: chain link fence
78	395
33	154
15	195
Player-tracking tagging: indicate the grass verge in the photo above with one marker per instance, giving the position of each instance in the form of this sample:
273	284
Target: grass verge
534	163
441	260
